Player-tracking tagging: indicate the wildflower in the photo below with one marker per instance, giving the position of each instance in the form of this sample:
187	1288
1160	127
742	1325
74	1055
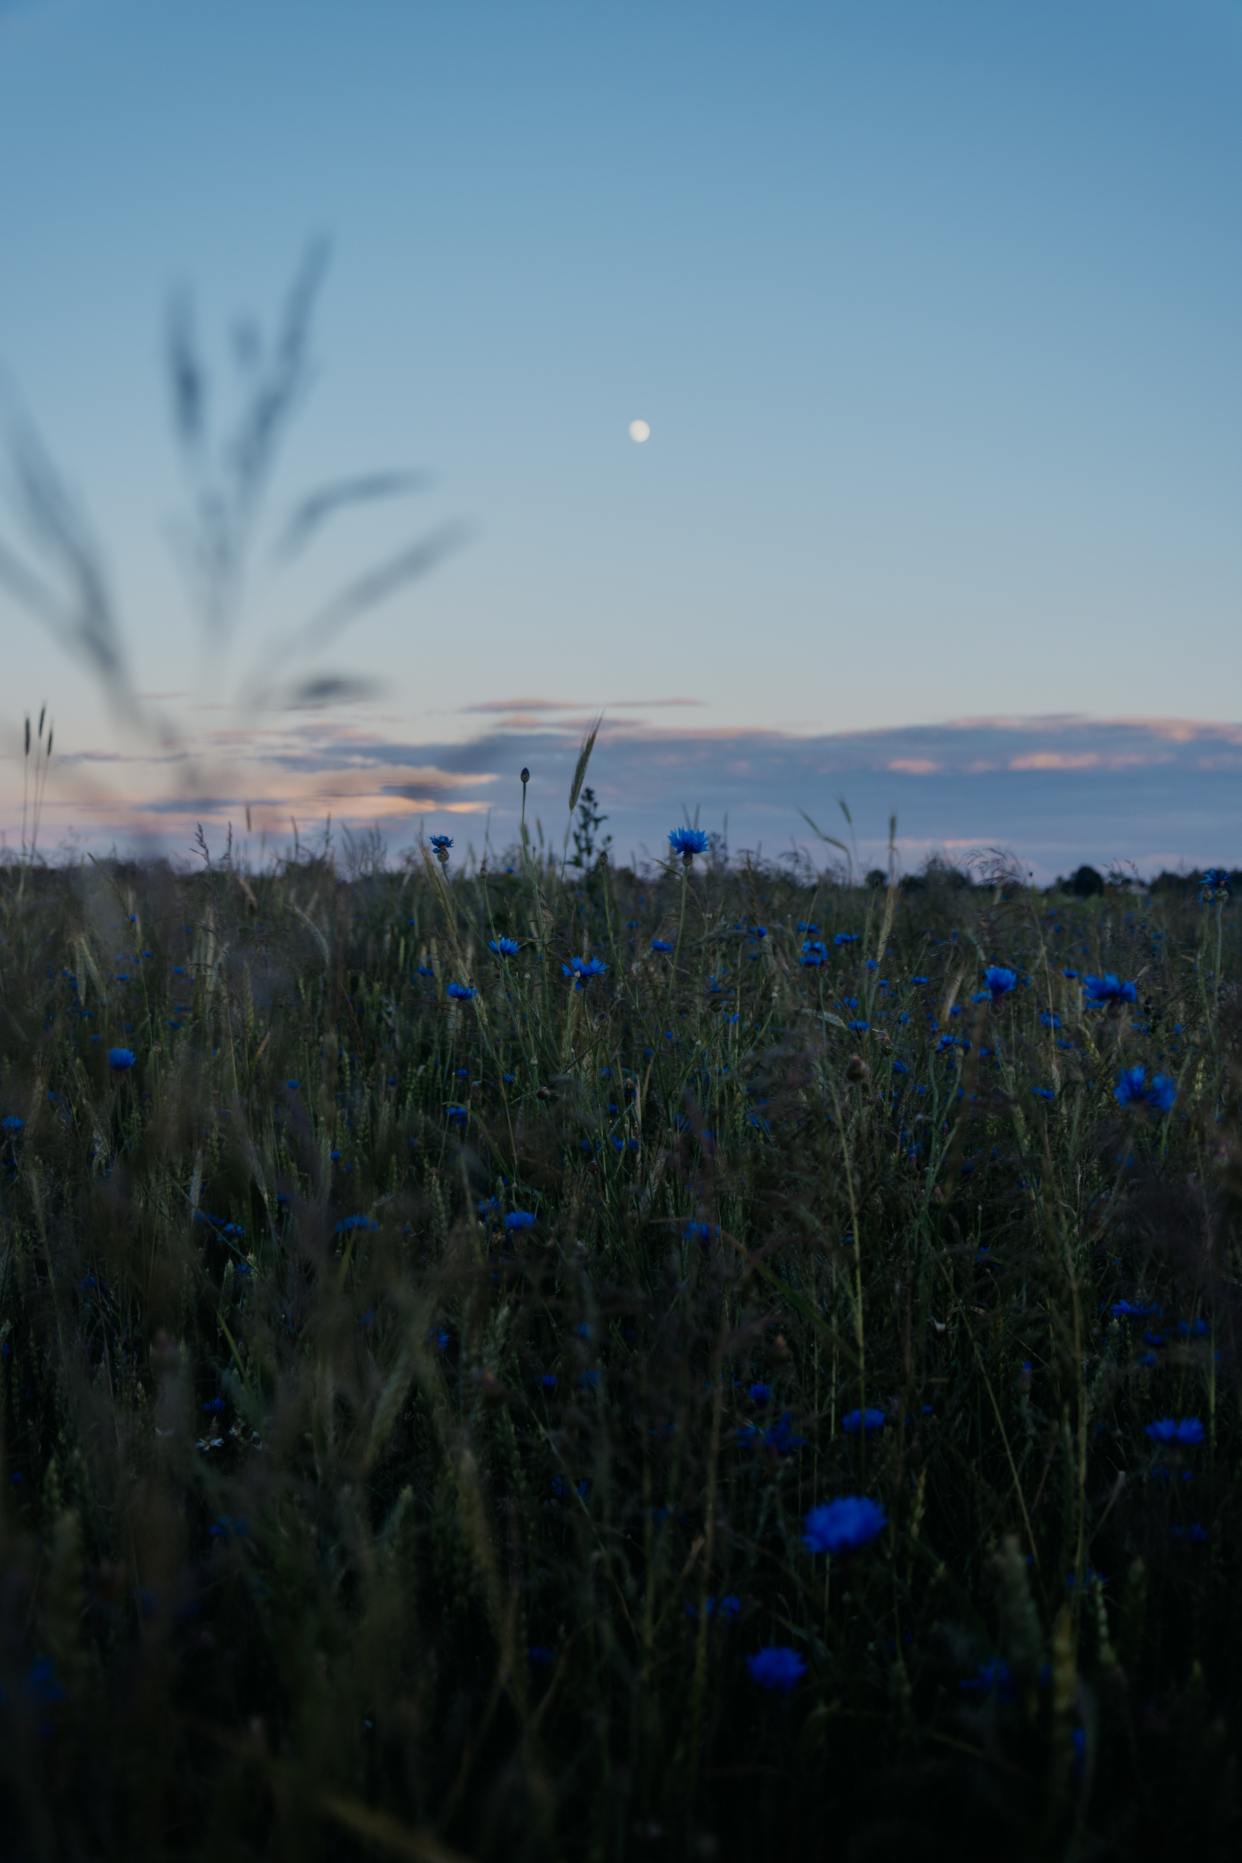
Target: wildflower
1044	1093
1185	1430
581	968
1108	989
1213	884
990	1678
441	843
520	1219
660	944
862	1422
504	947
1000	980
781	1435
454	1111
461	992
1135	1309
843	1525
687	842
845	938
120	1059
728	1607
355	1222
759	1393
1132	1089
776	1667
12	1122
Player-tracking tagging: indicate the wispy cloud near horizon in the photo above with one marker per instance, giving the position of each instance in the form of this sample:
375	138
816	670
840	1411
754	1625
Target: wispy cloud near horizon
1054	790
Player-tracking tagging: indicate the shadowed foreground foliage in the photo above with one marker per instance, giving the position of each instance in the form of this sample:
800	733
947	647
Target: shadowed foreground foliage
340	1518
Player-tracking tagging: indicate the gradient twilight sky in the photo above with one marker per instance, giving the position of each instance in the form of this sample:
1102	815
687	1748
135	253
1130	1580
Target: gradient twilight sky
934	312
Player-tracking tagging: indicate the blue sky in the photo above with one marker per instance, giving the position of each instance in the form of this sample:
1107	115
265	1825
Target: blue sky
933	312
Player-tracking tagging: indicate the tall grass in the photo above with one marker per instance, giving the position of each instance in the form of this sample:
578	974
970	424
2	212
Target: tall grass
338	1519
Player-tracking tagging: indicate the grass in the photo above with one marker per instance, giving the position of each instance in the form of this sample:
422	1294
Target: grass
340	1520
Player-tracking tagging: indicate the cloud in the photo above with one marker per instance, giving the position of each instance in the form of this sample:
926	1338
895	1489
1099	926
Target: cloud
574	705
1057	790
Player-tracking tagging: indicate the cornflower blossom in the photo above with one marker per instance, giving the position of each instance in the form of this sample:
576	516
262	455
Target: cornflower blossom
843	1525
580	968
504	947
1184	1430
1000	980
687	842
777	1667
461	992
1108	989
120	1059
862	1422
1133	1089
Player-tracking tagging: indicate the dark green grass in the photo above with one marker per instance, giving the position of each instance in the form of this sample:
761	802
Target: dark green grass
396	1596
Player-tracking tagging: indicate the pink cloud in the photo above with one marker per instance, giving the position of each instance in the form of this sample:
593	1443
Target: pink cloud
913	766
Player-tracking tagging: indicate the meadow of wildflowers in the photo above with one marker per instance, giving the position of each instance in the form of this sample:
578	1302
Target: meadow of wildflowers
513	1364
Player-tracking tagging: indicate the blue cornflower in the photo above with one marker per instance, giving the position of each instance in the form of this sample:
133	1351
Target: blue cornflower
862	1422
727	1607
119	1059
990	1678
1184	1430
698	1232
843	1525
461	992
355	1222
580	968
1135	1309
442	842
845	937
1108	989
1044	1093
782	1436
687	842
776	1667
1213	884
1132	1089
660	944
520	1219
504	947
12	1122
1000	980
759	1393
814	953
454	1111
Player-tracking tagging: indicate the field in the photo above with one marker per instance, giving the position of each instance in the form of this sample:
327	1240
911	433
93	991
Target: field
440	1309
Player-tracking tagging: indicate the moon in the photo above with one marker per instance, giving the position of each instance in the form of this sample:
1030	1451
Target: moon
640	430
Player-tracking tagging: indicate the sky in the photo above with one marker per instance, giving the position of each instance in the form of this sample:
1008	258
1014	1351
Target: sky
933	313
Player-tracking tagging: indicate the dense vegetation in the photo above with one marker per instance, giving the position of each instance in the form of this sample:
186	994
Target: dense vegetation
430	1355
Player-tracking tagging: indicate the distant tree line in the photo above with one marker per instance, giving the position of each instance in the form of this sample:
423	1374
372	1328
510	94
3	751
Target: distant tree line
1084	883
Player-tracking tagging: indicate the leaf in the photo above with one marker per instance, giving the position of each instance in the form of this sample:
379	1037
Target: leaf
315	509
584	757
